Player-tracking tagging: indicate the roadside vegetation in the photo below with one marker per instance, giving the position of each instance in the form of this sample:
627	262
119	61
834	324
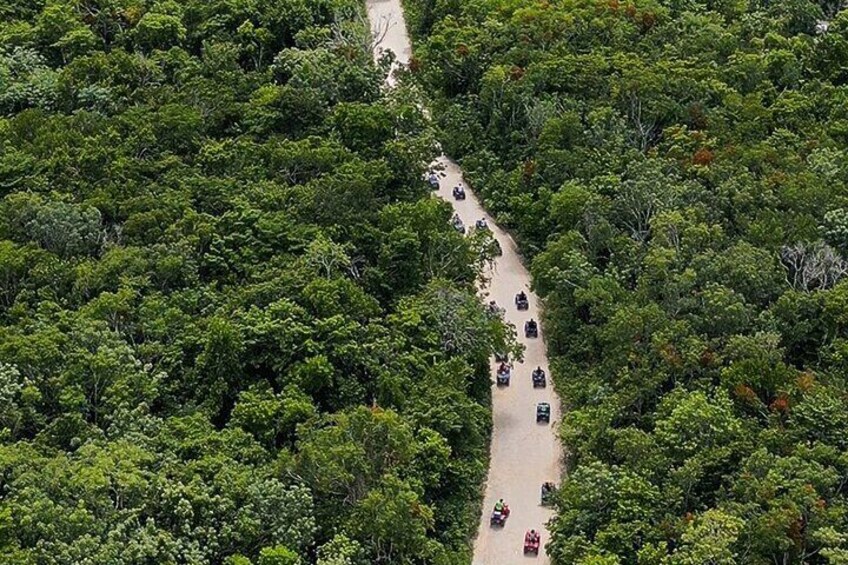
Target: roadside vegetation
234	327
676	174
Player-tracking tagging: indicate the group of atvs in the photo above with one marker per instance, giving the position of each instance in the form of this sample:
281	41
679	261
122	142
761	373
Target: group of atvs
531	330
532	538
459	194
456	222
458	190
504	373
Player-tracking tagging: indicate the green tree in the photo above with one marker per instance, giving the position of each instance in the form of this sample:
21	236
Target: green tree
710	538
278	555
159	31
376	518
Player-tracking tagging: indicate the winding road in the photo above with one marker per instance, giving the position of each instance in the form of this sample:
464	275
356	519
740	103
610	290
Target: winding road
524	454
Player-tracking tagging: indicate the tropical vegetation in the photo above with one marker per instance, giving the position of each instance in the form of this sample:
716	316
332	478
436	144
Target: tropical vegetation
234	327
676	172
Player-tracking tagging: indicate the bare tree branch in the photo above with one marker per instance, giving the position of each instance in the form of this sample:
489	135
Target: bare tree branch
813	266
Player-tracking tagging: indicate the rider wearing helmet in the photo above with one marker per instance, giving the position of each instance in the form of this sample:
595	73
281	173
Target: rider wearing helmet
499	505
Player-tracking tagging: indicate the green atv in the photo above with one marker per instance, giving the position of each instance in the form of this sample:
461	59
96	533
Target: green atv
543	412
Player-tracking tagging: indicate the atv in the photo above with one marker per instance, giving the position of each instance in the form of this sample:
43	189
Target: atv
532	541
457	224
539	378
548	490
521	301
499	517
503	375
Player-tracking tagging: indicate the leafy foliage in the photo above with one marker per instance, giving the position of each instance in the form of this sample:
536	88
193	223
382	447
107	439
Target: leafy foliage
234	327
677	172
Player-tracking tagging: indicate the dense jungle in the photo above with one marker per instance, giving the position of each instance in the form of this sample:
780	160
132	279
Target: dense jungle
676	172
234	326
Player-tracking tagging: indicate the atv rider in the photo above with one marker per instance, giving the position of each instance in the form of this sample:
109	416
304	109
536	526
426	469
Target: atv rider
521	296
504	368
499	506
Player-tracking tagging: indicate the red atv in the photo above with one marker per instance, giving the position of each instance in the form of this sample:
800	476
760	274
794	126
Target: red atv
499	517
532	541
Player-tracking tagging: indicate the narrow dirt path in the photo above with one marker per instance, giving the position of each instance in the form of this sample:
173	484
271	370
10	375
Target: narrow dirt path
524	454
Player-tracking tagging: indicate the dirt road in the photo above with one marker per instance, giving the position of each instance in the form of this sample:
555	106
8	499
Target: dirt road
389	30
524	454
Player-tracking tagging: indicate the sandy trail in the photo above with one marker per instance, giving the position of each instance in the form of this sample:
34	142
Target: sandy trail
389	29
524	454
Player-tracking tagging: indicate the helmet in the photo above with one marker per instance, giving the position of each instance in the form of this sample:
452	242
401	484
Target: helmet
532	531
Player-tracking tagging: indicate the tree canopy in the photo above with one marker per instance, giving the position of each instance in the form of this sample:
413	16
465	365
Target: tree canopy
234	327
676	172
